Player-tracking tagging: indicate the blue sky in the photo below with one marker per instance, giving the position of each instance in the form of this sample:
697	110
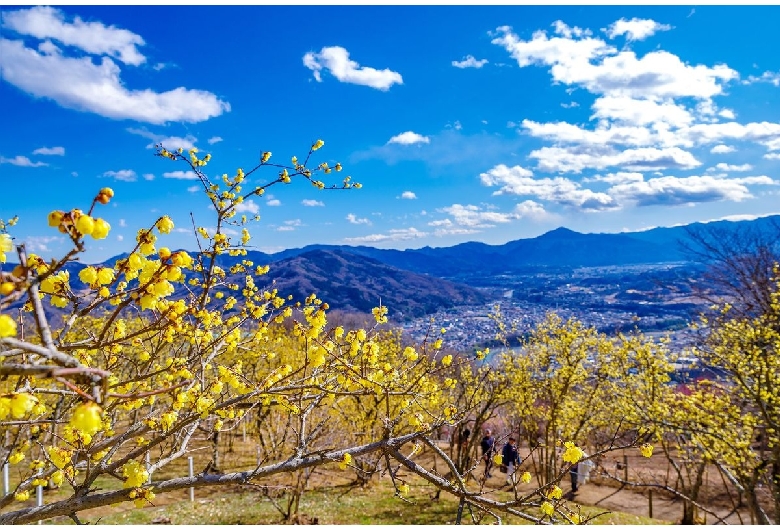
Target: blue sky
462	123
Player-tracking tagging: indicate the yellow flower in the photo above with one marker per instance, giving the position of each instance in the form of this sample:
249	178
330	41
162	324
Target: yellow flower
646	450
59	457
88	275
7	326
6	245
345	461
57	477
86	418
547	508
410	354
575	518
55	218
446	360
572	454
165	225
22	404
101	229
105	276
317	145
555	492
498	459
135	474
526	477
22	496
85	224
403	489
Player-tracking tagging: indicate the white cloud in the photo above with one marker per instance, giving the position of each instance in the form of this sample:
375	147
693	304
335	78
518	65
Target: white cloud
171	143
641	111
470	62
600	68
59	151
561	28
336	60
730	167
120	237
273	202
290	225
409	138
408	195
355	220
400	234
575	160
92	37
727	113
41	243
312	202
81	84
125	175
722	149
248	206
520	181
194	189
636	28
772	156
476	217
122	223
21	161
148	176
182	175
766	77
669	190
214	139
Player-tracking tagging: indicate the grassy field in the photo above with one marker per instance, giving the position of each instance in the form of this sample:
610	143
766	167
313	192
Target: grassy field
330	499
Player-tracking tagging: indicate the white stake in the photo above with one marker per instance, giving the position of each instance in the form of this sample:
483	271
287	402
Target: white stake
192	474
6	483
39	498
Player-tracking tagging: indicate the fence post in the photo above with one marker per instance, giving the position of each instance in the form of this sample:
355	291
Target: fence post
625	468
192	489
650	497
39	498
148	466
6	482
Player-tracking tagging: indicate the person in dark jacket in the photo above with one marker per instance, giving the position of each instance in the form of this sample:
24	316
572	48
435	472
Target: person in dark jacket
488	446
511	458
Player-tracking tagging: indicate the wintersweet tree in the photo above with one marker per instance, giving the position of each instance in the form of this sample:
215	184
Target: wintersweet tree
162	346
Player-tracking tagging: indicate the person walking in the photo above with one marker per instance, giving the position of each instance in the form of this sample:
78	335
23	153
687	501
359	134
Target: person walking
487	445
511	459
573	472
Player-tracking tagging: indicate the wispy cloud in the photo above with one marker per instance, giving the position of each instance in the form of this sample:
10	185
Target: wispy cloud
312	202
21	161
355	220
470	61
125	175
57	151
399	234
214	139
335	60
408	195
636	28
78	82
181	175
409	138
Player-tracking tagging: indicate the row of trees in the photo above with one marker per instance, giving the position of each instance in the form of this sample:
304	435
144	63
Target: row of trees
165	346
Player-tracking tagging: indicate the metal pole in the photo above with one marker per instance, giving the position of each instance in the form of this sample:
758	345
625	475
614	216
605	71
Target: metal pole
39	499
148	467
6	482
650	493
192	474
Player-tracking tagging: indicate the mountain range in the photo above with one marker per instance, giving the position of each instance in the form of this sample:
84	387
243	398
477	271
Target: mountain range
416	282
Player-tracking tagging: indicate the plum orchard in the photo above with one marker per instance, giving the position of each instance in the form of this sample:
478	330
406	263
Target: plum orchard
163	344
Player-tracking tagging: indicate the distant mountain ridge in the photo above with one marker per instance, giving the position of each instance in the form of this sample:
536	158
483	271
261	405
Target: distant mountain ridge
561	247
